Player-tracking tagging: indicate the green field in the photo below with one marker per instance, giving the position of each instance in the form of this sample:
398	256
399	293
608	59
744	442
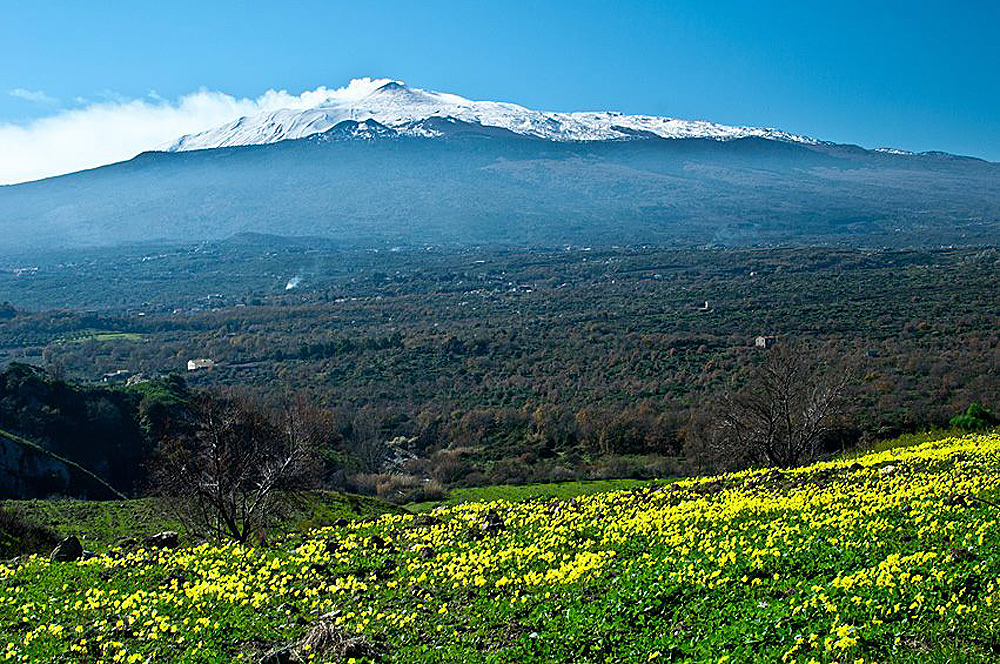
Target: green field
100	523
888	558
100	336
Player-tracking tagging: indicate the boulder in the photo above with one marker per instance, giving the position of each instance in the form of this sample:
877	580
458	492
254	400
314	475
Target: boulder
492	523
168	539
280	656
127	543
426	521
67	550
958	500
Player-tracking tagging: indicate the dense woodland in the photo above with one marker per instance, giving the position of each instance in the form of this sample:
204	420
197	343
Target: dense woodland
479	366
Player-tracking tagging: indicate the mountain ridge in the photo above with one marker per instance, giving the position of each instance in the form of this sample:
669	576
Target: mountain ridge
394	104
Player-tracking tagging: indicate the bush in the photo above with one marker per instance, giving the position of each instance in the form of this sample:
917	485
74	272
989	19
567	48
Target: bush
449	468
399	488
975	418
408	489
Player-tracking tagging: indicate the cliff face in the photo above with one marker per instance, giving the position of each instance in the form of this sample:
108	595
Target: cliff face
28	472
104	436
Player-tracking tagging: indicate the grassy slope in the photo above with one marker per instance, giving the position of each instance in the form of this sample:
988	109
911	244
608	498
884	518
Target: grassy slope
893	558
517	493
904	440
99	524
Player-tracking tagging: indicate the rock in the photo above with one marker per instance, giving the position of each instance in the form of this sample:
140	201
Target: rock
341	523
67	550
958	500
855	467
127	543
427	553
426	521
888	470
332	546
329	640
492	523
280	656
168	539
960	555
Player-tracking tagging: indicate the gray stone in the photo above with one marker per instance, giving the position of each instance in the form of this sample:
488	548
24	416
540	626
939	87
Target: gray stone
168	539
67	550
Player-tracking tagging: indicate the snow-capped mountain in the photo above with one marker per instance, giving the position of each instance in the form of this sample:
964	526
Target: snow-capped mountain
382	165
406	110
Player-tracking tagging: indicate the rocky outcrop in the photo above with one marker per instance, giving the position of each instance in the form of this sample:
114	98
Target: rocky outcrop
29	473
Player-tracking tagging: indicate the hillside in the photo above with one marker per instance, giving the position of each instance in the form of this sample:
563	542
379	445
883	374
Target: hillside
100	524
479	185
84	441
887	558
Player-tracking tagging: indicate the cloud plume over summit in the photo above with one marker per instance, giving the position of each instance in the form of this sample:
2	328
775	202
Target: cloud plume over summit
98	133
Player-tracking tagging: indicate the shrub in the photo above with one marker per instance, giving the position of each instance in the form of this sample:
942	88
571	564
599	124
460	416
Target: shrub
449	467
407	488
975	418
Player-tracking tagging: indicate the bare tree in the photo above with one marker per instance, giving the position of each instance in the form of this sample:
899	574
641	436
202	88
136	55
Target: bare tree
230	472
365	441
788	406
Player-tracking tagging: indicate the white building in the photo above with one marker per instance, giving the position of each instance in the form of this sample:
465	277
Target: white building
200	363
764	342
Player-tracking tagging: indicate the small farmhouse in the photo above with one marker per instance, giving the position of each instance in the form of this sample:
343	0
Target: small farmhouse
765	341
200	363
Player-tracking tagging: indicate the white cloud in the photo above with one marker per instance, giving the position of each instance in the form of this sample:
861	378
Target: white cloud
37	96
116	129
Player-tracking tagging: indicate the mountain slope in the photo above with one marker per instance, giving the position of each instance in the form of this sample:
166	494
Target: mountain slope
362	183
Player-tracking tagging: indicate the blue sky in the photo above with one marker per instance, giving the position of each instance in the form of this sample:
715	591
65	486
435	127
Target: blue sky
913	75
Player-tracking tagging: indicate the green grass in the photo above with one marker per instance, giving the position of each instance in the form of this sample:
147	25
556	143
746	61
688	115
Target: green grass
516	493
100	336
904	440
100	523
893	560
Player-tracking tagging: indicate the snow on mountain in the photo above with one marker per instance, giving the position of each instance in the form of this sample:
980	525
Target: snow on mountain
394	105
